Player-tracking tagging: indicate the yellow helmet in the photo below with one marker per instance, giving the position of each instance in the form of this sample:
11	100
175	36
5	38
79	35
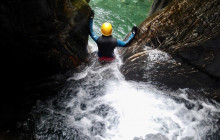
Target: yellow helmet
106	29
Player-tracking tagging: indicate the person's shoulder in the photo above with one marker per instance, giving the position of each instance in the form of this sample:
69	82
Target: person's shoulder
113	37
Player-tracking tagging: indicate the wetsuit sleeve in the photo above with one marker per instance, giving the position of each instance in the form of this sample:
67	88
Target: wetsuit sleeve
92	33
124	43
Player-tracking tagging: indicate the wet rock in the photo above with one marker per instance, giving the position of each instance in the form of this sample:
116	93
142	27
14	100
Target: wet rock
205	57
158	5
192	40
164	70
41	41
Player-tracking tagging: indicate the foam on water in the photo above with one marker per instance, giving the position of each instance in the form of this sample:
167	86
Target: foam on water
145	110
99	104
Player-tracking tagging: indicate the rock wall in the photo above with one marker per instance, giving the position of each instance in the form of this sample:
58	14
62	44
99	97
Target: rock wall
41	40
158	5
189	31
201	56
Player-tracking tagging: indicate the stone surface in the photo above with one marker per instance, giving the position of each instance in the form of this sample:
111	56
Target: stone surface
188	30
162	69
41	40
44	39
158	5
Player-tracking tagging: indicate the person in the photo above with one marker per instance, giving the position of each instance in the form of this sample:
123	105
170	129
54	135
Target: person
106	42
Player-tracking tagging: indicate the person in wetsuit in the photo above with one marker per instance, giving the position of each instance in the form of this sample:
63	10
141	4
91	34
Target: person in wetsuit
107	43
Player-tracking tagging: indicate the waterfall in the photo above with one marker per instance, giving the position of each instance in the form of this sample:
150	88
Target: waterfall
99	104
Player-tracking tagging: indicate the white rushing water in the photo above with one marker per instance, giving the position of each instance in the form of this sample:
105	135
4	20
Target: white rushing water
99	104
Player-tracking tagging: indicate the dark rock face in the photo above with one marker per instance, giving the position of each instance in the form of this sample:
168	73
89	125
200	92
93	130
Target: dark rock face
205	57
158	5
41	40
165	70
188	30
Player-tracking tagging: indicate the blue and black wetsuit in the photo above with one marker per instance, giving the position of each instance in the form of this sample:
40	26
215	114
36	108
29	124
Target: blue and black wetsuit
107	44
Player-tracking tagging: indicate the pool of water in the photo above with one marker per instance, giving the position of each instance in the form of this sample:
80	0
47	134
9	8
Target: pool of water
122	14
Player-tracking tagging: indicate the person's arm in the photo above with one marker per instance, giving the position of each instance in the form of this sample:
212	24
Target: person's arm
92	33
124	43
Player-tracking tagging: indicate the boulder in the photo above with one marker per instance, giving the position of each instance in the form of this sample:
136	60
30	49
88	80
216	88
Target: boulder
188	31
41	41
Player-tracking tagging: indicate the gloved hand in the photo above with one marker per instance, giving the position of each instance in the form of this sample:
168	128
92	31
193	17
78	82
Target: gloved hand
92	14
134	30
